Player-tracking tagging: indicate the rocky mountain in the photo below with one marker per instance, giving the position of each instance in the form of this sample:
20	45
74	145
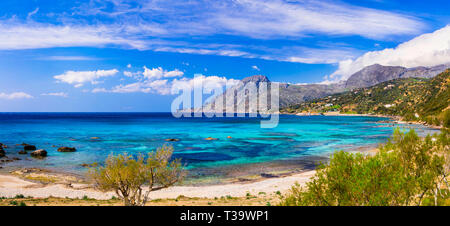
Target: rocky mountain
415	99
292	94
376	73
289	93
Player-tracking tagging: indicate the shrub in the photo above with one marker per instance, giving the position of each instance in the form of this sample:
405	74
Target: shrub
446	121
126	176
406	171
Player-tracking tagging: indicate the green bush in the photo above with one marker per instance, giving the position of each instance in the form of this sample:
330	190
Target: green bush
406	171
446	121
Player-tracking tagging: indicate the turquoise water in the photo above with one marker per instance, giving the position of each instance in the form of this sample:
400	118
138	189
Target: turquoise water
295	142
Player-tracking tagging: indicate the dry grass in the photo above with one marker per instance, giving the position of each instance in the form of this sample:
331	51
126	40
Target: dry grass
261	199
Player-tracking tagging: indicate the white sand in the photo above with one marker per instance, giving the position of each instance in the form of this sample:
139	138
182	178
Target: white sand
11	186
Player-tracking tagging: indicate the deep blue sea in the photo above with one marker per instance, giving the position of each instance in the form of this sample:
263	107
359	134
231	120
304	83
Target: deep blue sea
296	143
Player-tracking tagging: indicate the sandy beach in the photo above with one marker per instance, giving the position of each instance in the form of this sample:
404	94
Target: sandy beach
11	186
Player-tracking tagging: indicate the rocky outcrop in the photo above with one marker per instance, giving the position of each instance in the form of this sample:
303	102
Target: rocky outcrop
29	147
289	94
172	139
67	149
39	153
2	152
373	75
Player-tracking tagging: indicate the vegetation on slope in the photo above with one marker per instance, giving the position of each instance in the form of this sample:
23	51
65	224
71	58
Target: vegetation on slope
408	170
414	99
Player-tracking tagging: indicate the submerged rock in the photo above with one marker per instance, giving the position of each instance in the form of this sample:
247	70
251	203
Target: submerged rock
22	152
39	153
29	147
268	175
172	139
2	152
66	149
211	138
89	165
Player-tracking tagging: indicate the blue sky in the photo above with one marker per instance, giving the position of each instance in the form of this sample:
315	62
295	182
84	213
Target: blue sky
119	55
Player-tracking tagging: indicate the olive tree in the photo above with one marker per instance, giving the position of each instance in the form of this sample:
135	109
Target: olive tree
134	178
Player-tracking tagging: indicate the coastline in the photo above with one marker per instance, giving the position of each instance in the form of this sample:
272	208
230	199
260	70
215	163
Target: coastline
65	186
41	184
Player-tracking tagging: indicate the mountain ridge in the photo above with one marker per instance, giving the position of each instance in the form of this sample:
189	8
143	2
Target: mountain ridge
375	74
291	94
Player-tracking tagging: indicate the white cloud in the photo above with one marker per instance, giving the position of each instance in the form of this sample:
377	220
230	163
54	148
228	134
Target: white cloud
203	51
15	95
165	86
257	19
265	19
68	58
98	90
32	35
135	75
30	14
158	86
60	94
254	67
425	50
276	18
207	82
78	78
157	73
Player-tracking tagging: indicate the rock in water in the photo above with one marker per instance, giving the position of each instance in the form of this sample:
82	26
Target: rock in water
172	139
22	152
66	149
39	153
211	138
2	152
29	147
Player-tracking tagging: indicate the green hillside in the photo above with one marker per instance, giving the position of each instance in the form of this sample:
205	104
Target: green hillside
413	99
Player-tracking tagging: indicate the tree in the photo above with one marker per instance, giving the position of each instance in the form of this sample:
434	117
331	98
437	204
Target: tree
127	176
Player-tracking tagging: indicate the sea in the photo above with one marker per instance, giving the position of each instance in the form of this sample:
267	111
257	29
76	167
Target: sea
240	148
